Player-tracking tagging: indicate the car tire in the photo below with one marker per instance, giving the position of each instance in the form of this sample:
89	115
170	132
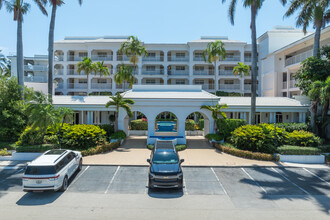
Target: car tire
80	165
64	184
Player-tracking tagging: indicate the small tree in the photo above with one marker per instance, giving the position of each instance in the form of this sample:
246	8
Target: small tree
216	112
119	102
87	66
123	75
66	114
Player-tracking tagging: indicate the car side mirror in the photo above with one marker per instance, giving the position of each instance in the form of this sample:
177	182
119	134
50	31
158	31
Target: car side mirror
148	160
182	160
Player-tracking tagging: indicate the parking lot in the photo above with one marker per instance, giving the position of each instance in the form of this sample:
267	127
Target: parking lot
258	188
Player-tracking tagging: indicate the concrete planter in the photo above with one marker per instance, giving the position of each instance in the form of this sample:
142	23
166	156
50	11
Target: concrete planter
137	133
21	156
195	133
309	159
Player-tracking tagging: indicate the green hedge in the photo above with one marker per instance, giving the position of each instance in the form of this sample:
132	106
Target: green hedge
297	150
223	93
190	125
119	135
324	148
30	136
201	124
178	147
101	149
216	137
139	124
36	148
290	127
227	126
302	138
258	138
109	129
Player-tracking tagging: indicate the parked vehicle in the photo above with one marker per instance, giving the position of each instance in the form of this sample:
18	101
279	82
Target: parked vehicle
52	170
165	168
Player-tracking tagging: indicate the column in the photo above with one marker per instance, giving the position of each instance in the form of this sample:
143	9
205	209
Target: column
242	55
82	117
244	116
304	117
165	70
151	127
287	84
114	55
92	118
271	117
300	117
88	117
182	125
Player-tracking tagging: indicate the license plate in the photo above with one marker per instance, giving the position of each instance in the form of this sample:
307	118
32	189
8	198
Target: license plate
38	181
165	177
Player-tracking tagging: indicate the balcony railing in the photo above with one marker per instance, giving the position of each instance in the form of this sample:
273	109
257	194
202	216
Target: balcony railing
247	87
77	85
59	58
59	86
102	86
226	72
40	79
199	58
247	59
284	85
298	58
209	87
123	58
153	59
35	67
293	84
178	72
229	87
75	58
203	72
58	72
153	72
178	59
232	58
74	72
102	58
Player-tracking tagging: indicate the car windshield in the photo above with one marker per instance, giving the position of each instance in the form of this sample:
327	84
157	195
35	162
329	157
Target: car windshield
165	157
40	170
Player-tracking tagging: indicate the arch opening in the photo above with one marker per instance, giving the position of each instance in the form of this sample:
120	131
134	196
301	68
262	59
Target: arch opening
197	124
166	124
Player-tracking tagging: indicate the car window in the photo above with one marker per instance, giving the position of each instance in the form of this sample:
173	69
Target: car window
40	170
62	163
165	157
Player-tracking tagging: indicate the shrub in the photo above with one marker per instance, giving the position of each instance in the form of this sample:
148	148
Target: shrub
216	137
8	145
106	147
324	148
119	135
245	154
222	93
30	137
290	127
4	152
180	147
201	124
139	124
297	150
226	126
258	138
36	148
303	138
51	139
190	125
109	129
150	146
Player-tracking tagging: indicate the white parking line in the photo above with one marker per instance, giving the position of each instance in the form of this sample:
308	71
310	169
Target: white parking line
253	180
80	174
112	180
185	190
320	178
219	181
291	181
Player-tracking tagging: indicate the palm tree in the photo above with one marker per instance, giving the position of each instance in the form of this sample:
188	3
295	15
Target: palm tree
216	111
66	114
255	6
5	66
315	11
87	66
19	8
213	52
119	102
133	48
101	69
54	4
241	70
123	75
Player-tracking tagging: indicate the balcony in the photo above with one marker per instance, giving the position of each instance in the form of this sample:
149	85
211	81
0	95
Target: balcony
153	59
35	68
199	58
58	58
247	59
226	73
38	79
77	85
59	86
229	87
298	58
73	72
101	86
293	84
284	85
203	72
178	59
232	58
247	87
58	72
209	87
102	58
178	72
75	58
153	72
122	58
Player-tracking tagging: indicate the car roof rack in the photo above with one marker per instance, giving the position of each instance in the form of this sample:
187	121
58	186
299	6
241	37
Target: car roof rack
60	156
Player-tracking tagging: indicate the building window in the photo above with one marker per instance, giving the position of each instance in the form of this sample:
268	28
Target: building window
229	81
199	82
150	81
279	117
180	82
101	80
102	54
180	68
198	54
82	81
229	68
180	55
151	54
82	54
150	68
199	68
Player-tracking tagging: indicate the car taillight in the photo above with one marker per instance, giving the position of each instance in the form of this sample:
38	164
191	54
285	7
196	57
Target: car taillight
54	178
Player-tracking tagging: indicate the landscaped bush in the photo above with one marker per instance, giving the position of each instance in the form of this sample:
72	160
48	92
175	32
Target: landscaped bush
258	138
109	129
297	150
8	145
106	147
302	138
139	124
324	148
30	136
180	147
201	124
223	93
216	137
36	148
226	126
150	146
226	148
190	125
119	135
290	127
4	152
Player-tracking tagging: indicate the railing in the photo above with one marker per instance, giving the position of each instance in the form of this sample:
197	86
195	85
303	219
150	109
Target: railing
284	85
75	58
102	58
207	86
77	85
58	72
74	72
247	87
226	72
247	59
232	58
298	58
199	58
178	72
59	86
123	58
36	67
40	79
229	87
203	72
153	72
59	58
293	84
101	85
151	59
179	59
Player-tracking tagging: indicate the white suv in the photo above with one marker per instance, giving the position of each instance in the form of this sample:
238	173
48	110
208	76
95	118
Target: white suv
51	170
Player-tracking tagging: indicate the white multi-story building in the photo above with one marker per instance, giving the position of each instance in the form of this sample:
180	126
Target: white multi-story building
166	64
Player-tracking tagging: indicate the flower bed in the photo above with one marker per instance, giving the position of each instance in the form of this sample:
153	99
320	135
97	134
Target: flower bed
101	149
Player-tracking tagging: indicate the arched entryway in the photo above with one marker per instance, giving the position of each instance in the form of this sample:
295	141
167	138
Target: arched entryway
166	124
197	124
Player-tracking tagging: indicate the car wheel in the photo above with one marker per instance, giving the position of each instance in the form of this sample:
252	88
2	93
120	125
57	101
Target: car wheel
65	184
80	165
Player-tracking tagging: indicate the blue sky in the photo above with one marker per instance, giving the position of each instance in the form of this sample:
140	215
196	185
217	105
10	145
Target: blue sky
153	21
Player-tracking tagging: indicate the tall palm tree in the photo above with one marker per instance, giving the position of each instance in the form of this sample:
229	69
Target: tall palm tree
119	102
20	8
123	75
54	4
316	11
255	6
216	112
87	66
213	52
133	48
101	69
